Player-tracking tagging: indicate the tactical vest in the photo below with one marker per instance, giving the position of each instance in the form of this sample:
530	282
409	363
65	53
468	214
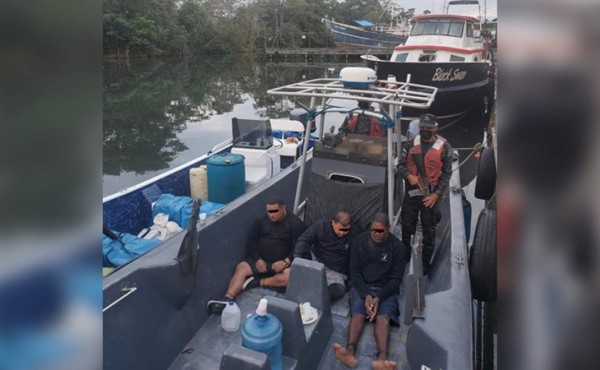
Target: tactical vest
432	160
375	130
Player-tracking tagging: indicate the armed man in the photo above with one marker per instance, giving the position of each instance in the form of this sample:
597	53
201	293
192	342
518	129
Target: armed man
426	166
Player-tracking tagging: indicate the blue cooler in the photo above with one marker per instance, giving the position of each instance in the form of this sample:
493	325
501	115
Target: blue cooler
262	332
226	177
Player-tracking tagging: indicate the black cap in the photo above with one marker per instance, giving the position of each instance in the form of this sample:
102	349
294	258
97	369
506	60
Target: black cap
427	120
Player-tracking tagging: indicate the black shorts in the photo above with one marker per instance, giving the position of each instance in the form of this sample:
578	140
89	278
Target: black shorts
255	272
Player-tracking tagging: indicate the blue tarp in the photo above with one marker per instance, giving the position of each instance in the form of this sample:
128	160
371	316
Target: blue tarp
364	23
179	208
117	254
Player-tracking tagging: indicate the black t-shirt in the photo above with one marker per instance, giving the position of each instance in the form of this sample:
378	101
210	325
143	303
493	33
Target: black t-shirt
274	241
330	249
377	265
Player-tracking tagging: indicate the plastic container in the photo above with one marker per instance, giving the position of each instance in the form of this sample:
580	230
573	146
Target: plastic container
199	183
262	332
226	177
231	317
357	77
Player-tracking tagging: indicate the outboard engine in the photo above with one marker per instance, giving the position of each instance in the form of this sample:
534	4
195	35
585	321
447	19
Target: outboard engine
300	114
413	129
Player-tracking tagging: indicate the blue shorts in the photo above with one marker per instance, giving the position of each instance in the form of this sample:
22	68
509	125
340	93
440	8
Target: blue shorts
389	307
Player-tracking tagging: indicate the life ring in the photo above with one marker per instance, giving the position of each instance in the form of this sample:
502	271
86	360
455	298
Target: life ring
485	184
483	257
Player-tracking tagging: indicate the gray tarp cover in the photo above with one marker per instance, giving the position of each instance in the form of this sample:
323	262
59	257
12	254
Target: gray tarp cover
326	197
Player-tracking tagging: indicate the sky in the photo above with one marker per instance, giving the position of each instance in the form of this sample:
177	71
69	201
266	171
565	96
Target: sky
436	6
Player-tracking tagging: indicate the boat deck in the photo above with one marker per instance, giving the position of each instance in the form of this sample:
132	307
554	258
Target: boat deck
366	346
205	349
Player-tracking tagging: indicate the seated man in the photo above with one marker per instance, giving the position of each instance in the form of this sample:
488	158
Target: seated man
377	261
360	123
330	240
269	253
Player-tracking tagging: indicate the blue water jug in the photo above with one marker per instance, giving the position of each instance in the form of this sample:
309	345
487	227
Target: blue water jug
262	332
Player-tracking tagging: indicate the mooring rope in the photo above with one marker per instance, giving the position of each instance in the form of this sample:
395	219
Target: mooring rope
477	148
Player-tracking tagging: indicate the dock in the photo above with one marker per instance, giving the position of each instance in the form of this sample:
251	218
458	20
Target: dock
324	54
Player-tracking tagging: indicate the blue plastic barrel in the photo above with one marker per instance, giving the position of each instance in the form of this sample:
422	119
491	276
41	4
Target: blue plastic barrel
263	334
226	177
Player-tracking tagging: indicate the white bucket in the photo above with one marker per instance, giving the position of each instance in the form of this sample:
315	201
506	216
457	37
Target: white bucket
199	183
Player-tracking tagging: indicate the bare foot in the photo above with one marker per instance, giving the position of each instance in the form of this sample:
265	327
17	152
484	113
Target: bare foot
344	355
384	365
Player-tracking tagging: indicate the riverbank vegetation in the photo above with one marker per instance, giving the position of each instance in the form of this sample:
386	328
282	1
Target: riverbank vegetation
175	28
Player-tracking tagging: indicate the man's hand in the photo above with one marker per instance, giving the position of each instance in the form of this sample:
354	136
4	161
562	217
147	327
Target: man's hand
261	266
371	306
431	200
415	181
278	266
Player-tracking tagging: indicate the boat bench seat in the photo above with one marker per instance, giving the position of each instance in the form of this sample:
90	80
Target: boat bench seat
307	283
259	164
242	358
303	345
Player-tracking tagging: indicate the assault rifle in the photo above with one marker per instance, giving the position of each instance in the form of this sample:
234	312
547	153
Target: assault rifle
423	182
188	252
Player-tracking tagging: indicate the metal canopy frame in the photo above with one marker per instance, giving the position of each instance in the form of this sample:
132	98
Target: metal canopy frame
404	94
393	94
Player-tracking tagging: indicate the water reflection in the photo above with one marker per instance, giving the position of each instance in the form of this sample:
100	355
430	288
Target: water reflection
151	110
142	117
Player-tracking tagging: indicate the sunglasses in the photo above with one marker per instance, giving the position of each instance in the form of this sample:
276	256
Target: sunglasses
345	229
272	210
378	231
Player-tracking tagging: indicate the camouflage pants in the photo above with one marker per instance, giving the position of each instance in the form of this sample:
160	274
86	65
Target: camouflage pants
429	219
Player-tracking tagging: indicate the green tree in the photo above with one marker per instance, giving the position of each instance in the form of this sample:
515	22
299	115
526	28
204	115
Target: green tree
158	28
360	9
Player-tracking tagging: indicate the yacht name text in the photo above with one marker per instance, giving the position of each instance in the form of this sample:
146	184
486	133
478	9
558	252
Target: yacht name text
449	75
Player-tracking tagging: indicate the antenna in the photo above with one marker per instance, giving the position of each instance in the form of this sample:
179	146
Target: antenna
484	11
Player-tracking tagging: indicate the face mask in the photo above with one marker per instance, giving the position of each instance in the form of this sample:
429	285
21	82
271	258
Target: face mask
426	135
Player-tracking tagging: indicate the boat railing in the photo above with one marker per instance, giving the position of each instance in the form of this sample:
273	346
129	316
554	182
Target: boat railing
217	148
221	146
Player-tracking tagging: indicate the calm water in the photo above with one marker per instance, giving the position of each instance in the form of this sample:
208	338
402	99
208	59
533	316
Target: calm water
160	115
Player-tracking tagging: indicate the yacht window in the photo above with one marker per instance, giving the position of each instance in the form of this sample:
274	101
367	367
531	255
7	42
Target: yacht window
442	27
430	27
456	28
418	29
469	30
401	57
456	58
427	58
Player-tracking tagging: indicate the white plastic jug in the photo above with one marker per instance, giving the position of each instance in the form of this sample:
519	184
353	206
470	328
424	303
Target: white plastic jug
231	317
199	183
